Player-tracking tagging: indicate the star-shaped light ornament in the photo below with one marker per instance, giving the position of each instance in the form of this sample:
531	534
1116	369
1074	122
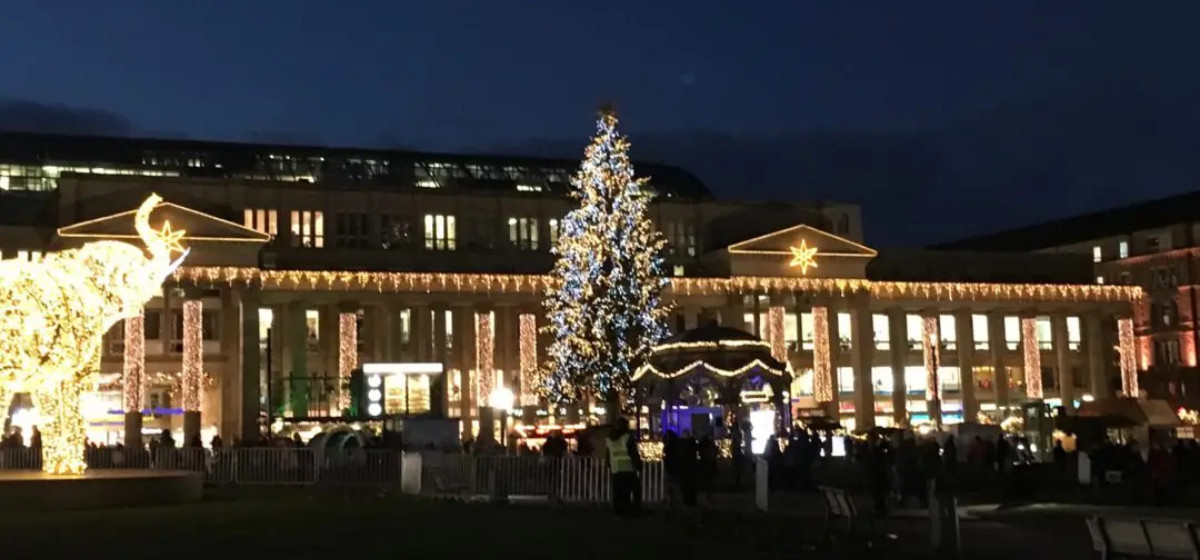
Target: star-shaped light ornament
804	257
173	239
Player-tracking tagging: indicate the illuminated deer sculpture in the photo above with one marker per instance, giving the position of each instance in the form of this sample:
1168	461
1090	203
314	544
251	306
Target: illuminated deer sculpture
53	316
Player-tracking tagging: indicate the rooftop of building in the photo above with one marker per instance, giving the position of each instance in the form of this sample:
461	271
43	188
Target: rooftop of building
338	167
1119	220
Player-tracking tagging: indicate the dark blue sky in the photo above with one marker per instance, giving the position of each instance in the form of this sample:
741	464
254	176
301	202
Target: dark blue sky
453	74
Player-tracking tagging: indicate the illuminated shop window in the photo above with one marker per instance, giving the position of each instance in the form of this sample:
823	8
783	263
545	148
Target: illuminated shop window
979	331
881	327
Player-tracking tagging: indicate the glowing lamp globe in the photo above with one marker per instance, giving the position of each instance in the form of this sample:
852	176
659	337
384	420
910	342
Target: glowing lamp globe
502	398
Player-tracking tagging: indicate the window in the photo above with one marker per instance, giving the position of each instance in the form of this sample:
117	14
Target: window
844	330
947	332
477	233
1097	255
882	332
152	324
553	231
950	378
1074	333
845	379
31	256
915	380
396	232
258	219
1044	333
210	321
806	331
791	329
529	188
915	328
1164	277
523	233
881	380
677	270
1012	331
985	377
1099	279
308	228
1125	278
1152	243
1167	351
350	230
681	239
979	331
439	232
1123	250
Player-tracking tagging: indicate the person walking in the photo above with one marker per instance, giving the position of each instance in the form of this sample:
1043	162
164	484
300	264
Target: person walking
624	463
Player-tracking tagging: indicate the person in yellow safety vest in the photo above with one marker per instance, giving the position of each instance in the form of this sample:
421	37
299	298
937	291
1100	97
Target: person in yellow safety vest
624	464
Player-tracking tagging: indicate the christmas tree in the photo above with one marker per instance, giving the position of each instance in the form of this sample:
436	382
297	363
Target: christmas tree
605	311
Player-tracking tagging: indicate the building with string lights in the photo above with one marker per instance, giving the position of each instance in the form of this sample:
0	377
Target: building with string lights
307	264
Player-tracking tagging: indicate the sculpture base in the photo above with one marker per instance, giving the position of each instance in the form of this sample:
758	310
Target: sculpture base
97	489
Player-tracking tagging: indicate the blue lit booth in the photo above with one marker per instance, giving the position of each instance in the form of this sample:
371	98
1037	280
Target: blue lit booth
707	379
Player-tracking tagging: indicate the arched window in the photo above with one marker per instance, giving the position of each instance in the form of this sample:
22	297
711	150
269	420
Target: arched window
843	224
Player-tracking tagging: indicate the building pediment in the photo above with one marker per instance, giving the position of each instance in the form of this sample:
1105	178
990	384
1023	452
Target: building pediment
800	250
213	241
198	226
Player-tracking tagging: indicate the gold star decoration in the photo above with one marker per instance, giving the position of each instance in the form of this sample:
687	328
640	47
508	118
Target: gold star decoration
172	239
804	257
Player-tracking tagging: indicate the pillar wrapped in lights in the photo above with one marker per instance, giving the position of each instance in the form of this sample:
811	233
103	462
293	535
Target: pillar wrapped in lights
133	378
527	347
133	372
1033	357
931	351
484	355
1126	348
775	333
822	368
193	354
347	353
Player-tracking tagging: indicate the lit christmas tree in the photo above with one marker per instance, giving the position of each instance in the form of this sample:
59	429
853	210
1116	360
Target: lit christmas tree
605	312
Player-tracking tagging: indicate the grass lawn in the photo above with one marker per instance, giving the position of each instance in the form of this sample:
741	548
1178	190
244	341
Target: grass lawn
297	528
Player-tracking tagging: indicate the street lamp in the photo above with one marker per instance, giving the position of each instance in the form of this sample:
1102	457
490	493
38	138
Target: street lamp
501	400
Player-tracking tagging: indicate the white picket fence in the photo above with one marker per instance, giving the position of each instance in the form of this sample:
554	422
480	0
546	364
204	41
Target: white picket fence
569	479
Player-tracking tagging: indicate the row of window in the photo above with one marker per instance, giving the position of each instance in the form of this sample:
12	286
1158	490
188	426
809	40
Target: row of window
1153	244
22	255
209	324
916	379
434	232
798	331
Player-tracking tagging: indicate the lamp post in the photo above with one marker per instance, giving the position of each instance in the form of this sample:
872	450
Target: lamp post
501	400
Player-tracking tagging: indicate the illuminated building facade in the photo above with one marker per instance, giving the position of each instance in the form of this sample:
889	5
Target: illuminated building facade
307	262
1153	245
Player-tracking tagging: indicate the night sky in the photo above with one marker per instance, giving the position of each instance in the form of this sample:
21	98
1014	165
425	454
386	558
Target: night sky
942	118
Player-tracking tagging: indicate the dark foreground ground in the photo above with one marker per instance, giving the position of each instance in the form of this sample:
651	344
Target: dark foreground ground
298	528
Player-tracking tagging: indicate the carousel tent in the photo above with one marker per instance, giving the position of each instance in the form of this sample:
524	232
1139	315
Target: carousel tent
713	365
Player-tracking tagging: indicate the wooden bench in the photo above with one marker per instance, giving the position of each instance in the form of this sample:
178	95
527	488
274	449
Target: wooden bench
838	505
1149	538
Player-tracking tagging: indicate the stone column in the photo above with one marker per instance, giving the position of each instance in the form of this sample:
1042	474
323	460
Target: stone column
898	342
485	370
931	346
228	388
435	349
251	369
1097	364
133	381
166	323
998	348
1031	351
734	315
1062	351
464	350
192	378
965	334
825	336
862	357
347	350
295	358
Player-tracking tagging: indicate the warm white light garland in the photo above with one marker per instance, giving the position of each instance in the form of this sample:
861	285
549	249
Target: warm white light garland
775	333
931	352
1128	356
193	354
527	354
485	353
823	385
1032	350
648	369
347	353
134	367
